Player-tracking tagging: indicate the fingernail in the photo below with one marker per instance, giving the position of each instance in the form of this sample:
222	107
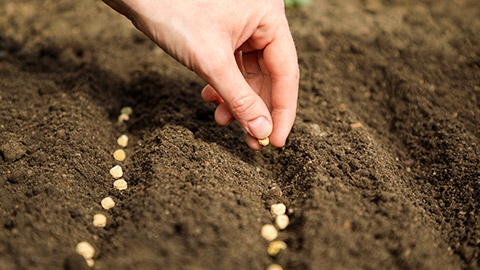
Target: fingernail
259	127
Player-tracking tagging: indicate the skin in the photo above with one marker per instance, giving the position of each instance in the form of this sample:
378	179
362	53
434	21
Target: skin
243	50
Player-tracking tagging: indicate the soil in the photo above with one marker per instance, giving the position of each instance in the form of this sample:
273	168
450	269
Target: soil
381	170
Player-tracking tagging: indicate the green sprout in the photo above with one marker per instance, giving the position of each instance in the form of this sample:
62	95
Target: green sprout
295	3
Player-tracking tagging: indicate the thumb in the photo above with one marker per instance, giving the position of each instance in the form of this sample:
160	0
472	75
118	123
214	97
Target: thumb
244	103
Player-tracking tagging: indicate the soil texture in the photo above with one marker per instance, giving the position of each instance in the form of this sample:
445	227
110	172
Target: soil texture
381	170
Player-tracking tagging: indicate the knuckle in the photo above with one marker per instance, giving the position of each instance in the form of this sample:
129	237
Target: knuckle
242	105
211	68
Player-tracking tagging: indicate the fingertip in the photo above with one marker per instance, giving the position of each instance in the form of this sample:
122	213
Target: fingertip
252	142
223	116
210	95
283	121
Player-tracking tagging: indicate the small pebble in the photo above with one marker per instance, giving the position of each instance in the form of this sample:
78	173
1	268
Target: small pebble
120	184
107	203
278	209
264	141
274	267
126	110
122	140
119	155
275	247
123	117
116	172
99	220
282	221
269	232
85	249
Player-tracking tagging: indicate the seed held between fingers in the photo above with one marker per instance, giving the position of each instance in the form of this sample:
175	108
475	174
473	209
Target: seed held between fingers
264	141
107	203
116	172
269	232
120	184
119	155
99	220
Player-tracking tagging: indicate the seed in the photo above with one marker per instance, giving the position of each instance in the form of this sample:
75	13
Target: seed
356	125
264	141
120	184
99	220
126	110
278	209
269	232
282	221
275	247
119	155
90	262
85	249
123	117
122	140
116	172
107	203
274	267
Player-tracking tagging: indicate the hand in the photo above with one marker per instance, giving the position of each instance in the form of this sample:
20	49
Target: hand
242	49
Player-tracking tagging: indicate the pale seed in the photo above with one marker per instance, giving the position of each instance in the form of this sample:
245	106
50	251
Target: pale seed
90	262
107	203
356	125
99	220
264	141
126	110
269	232
116	172
85	249
122	140
278	209
123	117
119	155
275	247
120	184
274	267
282	221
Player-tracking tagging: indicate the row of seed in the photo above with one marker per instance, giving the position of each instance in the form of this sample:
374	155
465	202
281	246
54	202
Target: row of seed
270	232
85	249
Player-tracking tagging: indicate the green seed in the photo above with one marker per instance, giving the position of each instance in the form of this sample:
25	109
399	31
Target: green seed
126	110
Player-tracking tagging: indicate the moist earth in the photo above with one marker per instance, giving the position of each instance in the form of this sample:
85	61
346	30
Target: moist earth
381	170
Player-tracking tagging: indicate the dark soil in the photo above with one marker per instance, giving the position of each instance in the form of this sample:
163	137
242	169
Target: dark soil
381	170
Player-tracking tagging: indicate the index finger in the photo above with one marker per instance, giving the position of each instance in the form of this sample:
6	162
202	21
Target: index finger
280	58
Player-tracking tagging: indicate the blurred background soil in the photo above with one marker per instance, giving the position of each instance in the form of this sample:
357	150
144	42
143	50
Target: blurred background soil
381	170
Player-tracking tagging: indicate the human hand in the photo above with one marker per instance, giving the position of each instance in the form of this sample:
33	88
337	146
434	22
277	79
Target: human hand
222	41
